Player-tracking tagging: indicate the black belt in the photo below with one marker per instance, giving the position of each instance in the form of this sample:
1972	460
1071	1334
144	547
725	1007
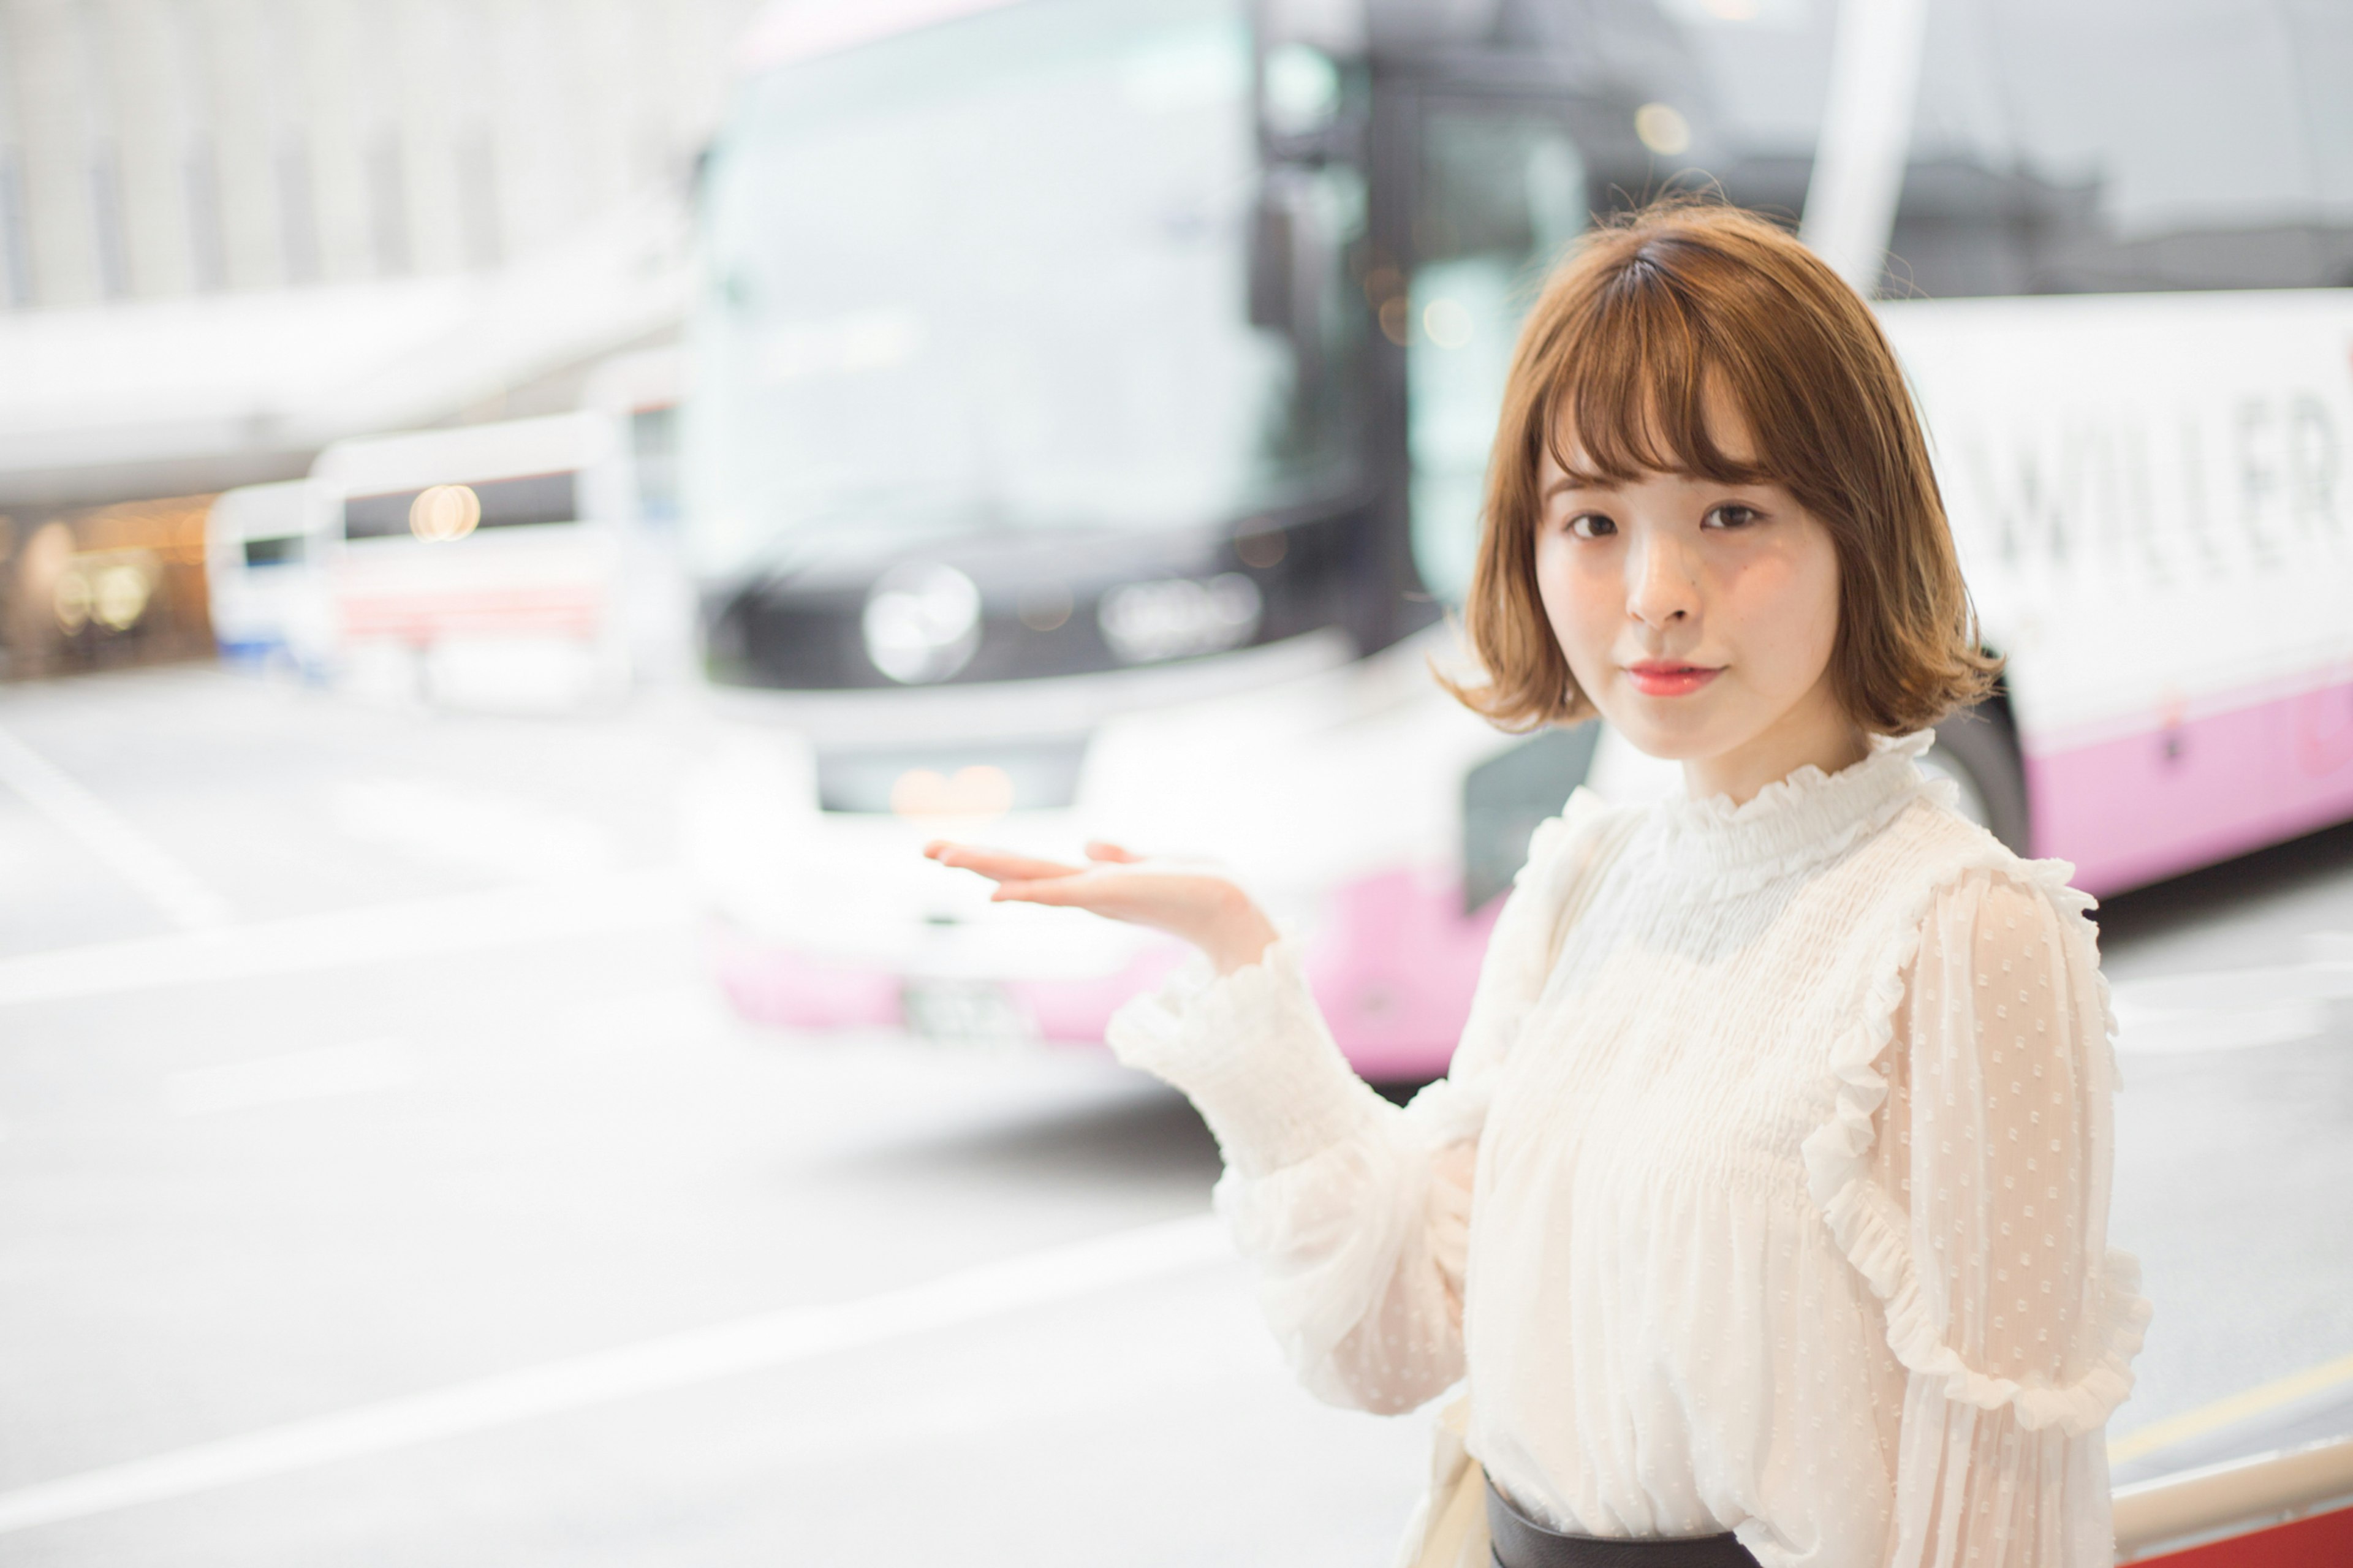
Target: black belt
1521	1542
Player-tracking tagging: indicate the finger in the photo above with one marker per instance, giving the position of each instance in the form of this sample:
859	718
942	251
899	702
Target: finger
1116	896
999	864
1104	850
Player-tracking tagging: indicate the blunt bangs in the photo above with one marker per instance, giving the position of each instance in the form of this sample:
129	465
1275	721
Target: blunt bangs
1630	379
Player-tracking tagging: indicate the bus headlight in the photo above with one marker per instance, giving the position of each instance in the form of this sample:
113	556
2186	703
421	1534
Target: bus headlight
921	623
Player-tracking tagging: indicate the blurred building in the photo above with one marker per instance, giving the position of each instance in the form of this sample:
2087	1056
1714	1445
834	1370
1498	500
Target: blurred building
160	149
234	230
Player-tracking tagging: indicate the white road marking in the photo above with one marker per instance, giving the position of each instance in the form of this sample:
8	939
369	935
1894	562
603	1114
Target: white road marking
137	859
323	1072
674	1361
377	933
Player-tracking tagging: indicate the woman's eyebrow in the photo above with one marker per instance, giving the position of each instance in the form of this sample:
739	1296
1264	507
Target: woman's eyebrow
1577	483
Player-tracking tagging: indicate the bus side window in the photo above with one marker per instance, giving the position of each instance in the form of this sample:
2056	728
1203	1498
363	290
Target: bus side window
1500	192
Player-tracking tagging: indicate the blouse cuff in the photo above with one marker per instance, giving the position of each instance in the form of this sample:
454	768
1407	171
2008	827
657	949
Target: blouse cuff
1252	1052
1874	1234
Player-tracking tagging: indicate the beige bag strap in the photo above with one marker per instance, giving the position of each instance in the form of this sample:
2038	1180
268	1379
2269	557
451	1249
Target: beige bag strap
1448	1530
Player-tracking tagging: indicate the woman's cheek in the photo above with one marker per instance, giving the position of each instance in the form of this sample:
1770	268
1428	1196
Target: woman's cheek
1573	606
1810	593
1781	625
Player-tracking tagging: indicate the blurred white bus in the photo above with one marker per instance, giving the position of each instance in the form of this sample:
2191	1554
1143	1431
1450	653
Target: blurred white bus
1091	400
262	581
498	565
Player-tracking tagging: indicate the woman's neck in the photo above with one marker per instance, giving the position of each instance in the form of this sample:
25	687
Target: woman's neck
1816	732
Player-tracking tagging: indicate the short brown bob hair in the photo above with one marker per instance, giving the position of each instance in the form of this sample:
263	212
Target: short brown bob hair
1647	314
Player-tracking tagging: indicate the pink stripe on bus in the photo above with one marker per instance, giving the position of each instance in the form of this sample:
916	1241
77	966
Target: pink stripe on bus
2145	806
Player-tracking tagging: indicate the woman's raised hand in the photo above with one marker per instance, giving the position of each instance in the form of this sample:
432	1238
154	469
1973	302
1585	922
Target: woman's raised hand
1204	908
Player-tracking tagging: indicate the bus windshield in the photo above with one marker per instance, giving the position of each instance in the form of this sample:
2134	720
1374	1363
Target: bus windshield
997	275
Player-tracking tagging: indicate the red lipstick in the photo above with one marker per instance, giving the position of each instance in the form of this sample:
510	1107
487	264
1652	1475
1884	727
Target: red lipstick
1670	678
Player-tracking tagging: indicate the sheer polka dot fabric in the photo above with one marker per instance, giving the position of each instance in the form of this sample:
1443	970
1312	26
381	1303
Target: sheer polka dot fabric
1768	1191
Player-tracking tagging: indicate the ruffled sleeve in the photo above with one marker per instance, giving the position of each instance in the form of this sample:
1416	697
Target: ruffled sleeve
1975	1203
1355	1211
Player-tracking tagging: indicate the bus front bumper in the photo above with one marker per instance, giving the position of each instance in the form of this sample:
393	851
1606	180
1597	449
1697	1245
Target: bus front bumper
1392	964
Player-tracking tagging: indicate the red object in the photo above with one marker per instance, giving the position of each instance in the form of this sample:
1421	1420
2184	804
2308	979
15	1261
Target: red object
2324	1540
1663	678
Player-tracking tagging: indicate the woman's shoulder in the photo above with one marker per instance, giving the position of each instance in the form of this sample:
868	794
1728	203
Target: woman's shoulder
1567	849
1932	877
1950	858
1970	895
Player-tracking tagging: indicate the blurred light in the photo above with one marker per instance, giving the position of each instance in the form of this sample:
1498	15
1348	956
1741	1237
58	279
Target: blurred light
1662	129
1448	323
921	623
1396	319
1380	284
981	790
1733	10
444	512
1045	605
1302	89
46	555
119	597
71	601
1178	617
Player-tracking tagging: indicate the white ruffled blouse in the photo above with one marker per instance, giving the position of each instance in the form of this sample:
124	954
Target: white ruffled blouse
1768	1193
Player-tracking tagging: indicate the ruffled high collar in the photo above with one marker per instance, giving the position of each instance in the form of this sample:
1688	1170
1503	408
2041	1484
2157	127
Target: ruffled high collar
1801	820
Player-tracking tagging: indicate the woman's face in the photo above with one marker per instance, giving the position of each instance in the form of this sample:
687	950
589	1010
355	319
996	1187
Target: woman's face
1699	617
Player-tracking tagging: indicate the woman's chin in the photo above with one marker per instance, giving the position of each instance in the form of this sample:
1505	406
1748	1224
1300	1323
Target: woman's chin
1670	737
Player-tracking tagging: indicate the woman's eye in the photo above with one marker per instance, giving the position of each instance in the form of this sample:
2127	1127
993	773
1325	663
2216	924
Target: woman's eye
1591	525
1731	514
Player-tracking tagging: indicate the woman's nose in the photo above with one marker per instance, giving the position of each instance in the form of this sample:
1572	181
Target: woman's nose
1661	587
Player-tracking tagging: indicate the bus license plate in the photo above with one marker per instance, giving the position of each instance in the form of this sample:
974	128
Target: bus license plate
965	1013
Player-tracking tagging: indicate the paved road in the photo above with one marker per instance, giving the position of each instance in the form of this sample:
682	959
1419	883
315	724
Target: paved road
381	1182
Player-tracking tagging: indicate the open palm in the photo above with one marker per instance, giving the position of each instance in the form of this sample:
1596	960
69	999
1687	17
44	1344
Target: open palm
1204	908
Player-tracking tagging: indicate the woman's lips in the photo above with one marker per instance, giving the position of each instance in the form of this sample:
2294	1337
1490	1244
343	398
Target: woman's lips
1666	678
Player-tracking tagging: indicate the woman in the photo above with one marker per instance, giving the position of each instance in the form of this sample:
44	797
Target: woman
1765	1204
